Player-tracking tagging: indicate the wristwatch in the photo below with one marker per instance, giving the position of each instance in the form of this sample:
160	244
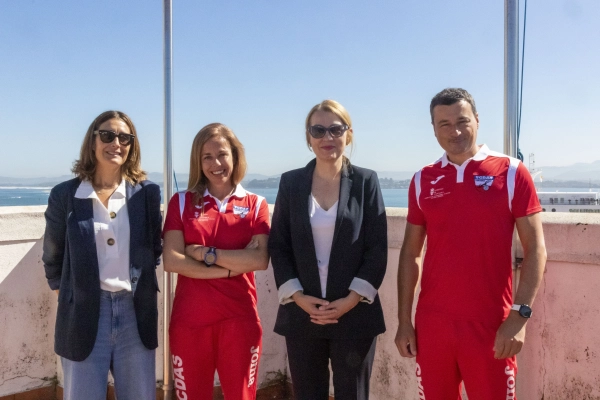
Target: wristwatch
523	309
210	257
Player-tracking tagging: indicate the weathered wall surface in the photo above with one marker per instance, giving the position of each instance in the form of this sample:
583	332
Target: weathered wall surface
560	359
27	306
28	310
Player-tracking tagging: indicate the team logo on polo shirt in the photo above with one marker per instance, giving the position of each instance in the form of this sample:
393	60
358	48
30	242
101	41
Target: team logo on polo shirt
241	211
483	181
437	193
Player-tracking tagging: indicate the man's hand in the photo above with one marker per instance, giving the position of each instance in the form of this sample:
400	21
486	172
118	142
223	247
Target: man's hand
330	314
406	340
510	336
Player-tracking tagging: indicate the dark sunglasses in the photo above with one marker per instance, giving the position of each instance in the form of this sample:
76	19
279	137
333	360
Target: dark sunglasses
319	131
109	136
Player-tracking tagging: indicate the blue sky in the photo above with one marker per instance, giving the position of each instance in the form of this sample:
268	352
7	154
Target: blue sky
259	66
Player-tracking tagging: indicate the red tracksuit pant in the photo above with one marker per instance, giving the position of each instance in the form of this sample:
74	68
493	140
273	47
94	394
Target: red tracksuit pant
450	351
232	348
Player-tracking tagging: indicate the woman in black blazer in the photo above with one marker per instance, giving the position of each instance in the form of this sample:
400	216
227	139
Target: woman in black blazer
328	247
101	247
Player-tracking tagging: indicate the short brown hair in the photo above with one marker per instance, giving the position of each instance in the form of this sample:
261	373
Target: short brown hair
333	107
85	166
198	181
449	96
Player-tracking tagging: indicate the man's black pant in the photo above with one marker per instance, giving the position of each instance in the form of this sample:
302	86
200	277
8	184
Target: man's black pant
351	364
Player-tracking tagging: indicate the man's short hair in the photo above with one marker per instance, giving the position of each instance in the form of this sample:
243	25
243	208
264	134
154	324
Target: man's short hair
450	96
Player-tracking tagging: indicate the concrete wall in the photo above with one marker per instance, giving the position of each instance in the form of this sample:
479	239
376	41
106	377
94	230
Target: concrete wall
560	359
28	310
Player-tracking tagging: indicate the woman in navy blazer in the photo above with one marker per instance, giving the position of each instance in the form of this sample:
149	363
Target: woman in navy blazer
328	247
101	247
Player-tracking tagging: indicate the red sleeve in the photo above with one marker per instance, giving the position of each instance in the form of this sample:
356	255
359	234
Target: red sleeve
415	214
525	201
261	224
173	221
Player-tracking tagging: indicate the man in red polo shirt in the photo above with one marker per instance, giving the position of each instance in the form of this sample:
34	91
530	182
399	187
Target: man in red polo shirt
467	326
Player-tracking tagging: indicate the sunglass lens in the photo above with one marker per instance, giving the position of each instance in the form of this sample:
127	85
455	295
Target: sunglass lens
124	139
317	131
107	136
336	130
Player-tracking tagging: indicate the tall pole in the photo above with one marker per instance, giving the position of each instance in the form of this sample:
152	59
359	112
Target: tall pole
511	75
167	186
511	103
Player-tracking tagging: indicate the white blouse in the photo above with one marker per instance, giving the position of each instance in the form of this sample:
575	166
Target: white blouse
323	227
322	223
111	230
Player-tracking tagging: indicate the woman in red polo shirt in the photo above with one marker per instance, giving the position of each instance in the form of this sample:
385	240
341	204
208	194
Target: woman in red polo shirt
215	236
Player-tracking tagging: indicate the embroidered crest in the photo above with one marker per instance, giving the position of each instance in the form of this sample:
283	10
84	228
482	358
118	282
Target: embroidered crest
241	211
483	181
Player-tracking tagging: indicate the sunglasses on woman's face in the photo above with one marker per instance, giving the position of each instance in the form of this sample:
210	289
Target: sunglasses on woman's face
319	131
109	136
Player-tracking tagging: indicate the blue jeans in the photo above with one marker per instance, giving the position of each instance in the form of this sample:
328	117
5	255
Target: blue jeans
118	348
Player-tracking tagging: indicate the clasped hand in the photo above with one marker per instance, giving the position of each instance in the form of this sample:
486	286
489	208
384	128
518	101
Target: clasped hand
323	312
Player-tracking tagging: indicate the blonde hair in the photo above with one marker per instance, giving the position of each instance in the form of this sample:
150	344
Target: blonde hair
333	107
85	166
198	181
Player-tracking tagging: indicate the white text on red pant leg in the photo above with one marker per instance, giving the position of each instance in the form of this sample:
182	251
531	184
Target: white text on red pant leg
253	364
510	383
420	383
179	379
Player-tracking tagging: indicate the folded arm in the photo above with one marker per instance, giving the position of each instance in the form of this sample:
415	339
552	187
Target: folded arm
252	258
175	260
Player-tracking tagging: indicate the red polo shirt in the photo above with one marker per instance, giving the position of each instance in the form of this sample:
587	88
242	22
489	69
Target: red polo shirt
469	214
227	225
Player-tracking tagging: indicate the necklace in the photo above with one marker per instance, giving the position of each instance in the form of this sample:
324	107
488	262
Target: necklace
103	189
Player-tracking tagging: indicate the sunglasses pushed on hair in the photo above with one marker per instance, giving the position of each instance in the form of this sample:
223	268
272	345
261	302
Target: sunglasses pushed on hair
319	131
108	136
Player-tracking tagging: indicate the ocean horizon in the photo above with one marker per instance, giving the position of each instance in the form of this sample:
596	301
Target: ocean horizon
37	196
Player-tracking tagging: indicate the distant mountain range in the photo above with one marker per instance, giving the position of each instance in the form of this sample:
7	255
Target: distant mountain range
579	172
576	172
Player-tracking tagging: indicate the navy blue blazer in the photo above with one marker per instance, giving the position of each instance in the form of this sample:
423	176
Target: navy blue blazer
71	265
359	249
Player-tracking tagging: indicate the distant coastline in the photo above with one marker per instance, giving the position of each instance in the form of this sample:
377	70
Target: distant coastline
273	183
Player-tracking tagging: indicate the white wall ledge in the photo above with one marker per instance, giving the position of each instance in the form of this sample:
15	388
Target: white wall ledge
561	358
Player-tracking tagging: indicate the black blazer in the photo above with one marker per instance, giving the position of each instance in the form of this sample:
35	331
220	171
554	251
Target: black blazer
359	249
71	265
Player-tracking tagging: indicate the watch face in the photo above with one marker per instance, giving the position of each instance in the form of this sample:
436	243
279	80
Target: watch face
525	311
209	258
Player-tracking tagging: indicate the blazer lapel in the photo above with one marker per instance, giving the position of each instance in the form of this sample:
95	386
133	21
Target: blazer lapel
136	209
83	211
304	190
345	187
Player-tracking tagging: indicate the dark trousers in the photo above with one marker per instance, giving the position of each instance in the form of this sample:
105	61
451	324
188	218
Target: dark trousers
351	364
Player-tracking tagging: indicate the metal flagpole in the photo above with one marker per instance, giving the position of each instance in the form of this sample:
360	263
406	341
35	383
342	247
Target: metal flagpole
511	75
167	186
511	105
